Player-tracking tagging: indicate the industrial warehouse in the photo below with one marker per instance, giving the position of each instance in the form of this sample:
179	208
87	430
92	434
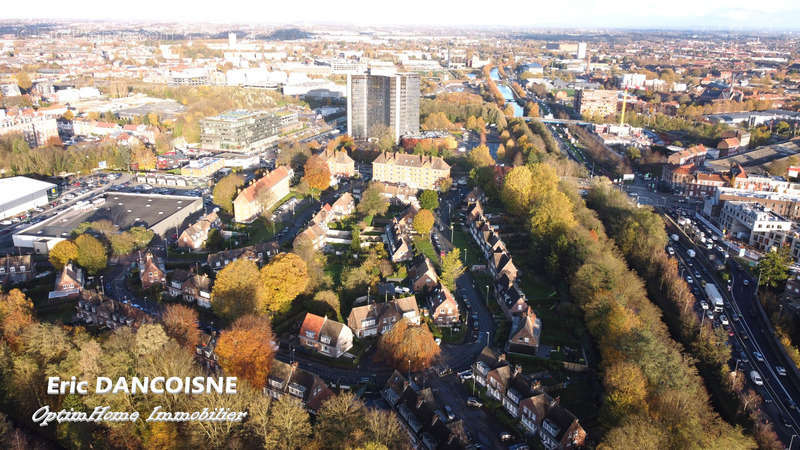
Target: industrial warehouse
158	213
22	193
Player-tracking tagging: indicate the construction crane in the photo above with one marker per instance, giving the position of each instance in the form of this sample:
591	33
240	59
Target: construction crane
624	104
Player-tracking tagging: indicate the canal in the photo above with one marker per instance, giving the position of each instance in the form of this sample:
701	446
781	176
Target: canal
507	94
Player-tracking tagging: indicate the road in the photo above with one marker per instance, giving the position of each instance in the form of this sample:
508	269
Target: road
777	391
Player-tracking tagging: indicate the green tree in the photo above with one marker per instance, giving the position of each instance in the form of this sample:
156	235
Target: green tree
91	253
773	268
225	190
429	199
62	253
423	221
372	201
452	268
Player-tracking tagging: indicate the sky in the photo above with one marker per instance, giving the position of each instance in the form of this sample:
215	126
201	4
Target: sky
670	14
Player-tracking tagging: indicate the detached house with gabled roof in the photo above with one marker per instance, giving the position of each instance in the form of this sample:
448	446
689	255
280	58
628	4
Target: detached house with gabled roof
151	270
378	318
303	386
325	336
69	282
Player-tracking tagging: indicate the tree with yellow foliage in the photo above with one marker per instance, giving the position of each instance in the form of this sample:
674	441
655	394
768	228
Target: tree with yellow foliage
423	221
480	156
516	191
62	253
16	313
280	281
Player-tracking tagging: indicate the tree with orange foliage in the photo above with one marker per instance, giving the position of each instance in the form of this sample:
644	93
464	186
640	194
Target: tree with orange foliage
317	174
16	313
408	347
246	349
180	322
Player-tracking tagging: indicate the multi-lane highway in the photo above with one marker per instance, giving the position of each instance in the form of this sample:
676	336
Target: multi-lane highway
750	345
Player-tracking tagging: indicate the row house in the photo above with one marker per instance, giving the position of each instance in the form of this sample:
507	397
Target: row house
325	336
303	386
422	415
69	282
151	270
257	253
422	275
194	236
16	269
398	244
523	399
96	309
316	232
443	307
526	330
378	318
191	287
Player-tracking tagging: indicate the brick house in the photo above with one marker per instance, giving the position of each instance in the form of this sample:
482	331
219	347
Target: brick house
423	275
325	336
561	429
96	309
16	269
526	330
443	307
69	282
151	270
191	287
340	164
378	318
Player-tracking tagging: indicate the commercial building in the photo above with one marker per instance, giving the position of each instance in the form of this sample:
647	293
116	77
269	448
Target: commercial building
157	213
415	171
22	193
749	221
203	167
784	204
382	100
600	102
262	194
240	131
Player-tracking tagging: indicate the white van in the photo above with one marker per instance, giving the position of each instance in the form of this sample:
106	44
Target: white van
756	378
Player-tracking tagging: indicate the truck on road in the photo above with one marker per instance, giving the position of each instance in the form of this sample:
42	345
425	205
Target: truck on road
714	295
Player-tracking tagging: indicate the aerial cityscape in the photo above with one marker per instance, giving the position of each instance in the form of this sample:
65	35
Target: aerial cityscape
337	231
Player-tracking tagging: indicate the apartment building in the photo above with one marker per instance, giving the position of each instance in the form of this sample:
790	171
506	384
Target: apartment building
414	171
785	205
36	130
262	194
601	102
383	100
240	131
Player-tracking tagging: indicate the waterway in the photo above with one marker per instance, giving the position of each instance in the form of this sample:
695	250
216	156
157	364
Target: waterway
507	94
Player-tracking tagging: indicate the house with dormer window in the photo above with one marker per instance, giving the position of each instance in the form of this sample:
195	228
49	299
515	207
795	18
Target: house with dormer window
325	336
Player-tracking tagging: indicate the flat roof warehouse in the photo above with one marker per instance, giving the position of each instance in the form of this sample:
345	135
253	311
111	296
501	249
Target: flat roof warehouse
158	213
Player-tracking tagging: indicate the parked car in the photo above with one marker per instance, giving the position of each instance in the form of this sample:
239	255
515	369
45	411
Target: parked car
474	402
689	279
505	436
723	319
710	314
746	282
704	305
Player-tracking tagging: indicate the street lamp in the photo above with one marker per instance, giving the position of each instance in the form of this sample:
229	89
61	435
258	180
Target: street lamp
791	441
487	295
